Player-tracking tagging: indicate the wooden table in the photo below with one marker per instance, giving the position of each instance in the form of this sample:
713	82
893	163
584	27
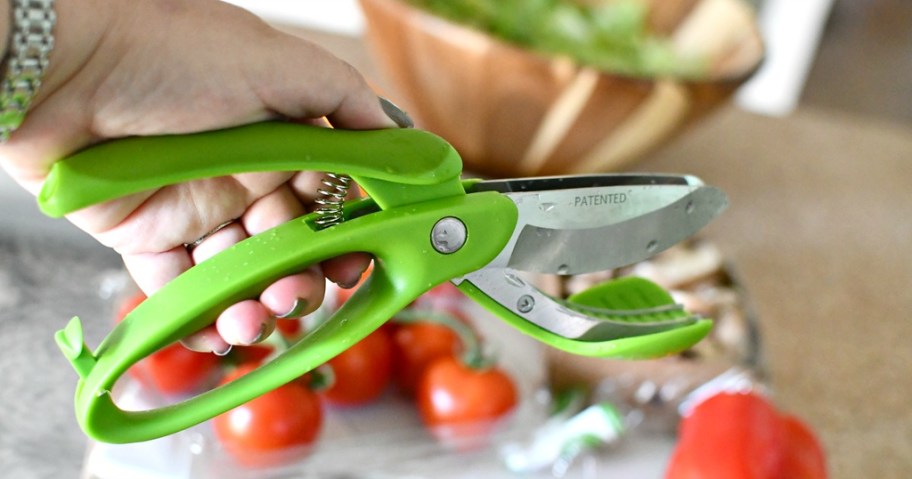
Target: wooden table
820	230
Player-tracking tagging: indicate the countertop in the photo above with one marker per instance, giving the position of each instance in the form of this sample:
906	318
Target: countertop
818	229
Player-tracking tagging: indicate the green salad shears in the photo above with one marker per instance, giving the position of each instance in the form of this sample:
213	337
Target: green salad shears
422	223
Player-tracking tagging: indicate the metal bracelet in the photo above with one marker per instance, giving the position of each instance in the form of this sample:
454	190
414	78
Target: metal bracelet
31	40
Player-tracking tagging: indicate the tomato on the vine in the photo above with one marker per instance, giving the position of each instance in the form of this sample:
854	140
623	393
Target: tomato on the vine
173	370
361	372
275	428
416	345
458	401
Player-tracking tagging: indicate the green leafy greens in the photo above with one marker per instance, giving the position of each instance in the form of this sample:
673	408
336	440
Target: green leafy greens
612	36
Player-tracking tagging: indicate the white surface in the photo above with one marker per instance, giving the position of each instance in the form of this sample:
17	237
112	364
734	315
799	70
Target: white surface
19	213
337	16
791	31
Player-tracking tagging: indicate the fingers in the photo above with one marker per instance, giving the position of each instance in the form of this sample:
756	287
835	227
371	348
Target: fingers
189	209
346	270
244	323
298	294
251	320
217	241
151	271
291	86
272	210
295	296
206	341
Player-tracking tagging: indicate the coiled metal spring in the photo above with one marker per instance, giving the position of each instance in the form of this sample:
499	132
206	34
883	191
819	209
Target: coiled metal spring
331	199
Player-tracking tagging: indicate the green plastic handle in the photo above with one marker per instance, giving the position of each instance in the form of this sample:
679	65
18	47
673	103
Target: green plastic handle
405	267
412	178
397	166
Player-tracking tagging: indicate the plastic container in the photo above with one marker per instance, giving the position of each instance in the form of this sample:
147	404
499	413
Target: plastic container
387	438
383	438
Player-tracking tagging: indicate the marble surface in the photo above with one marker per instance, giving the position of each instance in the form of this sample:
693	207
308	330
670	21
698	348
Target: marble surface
45	279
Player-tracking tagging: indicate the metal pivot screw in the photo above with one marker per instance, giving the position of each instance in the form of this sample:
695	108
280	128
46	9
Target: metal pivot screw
449	235
525	303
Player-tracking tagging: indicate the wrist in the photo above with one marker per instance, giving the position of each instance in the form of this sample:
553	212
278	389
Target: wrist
29	43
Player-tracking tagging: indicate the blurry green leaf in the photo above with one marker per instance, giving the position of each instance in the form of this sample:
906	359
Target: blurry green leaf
612	36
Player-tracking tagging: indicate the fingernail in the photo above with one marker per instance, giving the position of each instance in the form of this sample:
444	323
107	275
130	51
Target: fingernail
261	334
396	114
297	309
223	352
348	284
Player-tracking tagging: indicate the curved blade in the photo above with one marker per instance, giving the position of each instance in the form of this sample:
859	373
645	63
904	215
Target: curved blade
581	224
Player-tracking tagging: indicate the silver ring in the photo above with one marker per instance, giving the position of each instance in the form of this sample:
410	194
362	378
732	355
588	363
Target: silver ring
215	230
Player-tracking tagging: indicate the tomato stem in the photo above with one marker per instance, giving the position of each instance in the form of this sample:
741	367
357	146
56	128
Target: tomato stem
473	355
278	342
321	378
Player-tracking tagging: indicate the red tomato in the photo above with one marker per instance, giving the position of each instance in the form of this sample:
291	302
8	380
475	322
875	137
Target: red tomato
361	372
253	354
177	370
804	458
275	428
742	436
458	402
415	346
174	370
128	304
290	328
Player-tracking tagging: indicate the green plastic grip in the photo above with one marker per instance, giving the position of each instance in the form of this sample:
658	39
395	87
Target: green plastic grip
396	166
405	267
412	177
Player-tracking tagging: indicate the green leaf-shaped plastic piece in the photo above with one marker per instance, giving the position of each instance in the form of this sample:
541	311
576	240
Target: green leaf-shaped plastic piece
626	294
642	301
71	342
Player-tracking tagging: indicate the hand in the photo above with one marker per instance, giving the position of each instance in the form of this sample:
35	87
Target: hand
129	67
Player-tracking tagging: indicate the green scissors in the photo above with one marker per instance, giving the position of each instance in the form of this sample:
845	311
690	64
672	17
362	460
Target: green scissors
422	223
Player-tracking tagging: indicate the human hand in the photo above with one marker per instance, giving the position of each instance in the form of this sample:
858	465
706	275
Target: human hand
122	68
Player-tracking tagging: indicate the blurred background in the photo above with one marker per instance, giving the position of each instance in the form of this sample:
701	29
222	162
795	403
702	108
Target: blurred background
845	55
864	62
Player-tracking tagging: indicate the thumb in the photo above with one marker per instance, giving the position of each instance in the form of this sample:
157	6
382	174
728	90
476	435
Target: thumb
299	79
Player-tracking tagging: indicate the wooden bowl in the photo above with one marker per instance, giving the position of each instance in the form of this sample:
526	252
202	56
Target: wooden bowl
513	112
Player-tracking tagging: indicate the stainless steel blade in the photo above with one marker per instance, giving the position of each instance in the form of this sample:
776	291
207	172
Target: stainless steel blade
580	224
